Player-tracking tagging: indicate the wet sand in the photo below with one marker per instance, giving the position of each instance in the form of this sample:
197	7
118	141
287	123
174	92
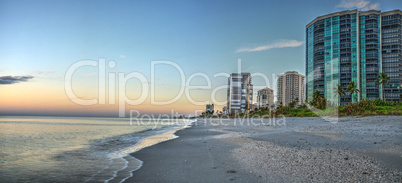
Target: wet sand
367	149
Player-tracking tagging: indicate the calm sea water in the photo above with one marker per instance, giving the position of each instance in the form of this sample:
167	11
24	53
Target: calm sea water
66	149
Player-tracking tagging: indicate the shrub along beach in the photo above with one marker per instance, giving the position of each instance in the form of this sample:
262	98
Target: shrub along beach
362	108
319	107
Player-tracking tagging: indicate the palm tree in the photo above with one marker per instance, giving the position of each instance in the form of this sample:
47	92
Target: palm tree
382	78
316	94
352	88
318	101
340	91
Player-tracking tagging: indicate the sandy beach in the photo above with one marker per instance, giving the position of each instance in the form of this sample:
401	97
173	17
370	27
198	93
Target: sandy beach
357	149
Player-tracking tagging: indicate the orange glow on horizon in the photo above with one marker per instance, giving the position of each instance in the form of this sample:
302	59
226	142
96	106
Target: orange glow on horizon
49	97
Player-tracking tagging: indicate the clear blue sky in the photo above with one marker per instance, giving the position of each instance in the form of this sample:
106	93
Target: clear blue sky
43	38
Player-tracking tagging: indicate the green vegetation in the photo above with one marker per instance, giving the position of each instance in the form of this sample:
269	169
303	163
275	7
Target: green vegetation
340	91
371	107
382	78
362	108
300	111
207	114
352	89
319	107
318	101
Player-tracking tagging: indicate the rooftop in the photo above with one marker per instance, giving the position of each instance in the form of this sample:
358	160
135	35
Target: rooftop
351	12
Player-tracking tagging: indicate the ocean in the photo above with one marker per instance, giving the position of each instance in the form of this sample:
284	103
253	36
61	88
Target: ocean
77	149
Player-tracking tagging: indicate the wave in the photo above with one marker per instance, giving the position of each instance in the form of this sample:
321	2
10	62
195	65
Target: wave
141	144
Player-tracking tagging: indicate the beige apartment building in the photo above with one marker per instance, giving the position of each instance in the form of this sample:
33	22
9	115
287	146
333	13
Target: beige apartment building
290	87
265	98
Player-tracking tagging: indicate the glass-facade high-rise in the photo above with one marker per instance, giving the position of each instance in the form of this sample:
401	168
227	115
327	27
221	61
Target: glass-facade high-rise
346	46
391	39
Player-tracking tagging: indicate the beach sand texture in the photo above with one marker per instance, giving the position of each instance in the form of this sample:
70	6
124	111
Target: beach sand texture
367	149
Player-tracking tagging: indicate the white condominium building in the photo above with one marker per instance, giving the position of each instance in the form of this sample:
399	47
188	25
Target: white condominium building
240	92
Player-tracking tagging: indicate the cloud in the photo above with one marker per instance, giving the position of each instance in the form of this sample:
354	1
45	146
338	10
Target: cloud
359	4
6	80
88	74
277	44
44	73
248	69
122	56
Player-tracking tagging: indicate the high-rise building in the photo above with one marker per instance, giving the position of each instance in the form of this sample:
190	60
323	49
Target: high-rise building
290	88
265	98
354	46
240	92
391	39
210	108
225	110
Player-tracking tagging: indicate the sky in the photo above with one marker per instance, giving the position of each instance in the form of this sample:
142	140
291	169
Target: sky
107	58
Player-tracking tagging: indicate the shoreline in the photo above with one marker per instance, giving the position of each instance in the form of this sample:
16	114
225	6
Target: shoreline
135	163
306	149
160	160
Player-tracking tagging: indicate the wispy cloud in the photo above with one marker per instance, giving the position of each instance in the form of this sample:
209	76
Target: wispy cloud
43	72
88	74
122	56
359	4
6	80
248	69
277	44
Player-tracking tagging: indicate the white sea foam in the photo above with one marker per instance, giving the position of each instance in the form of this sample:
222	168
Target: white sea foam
143	143
116	171
131	172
